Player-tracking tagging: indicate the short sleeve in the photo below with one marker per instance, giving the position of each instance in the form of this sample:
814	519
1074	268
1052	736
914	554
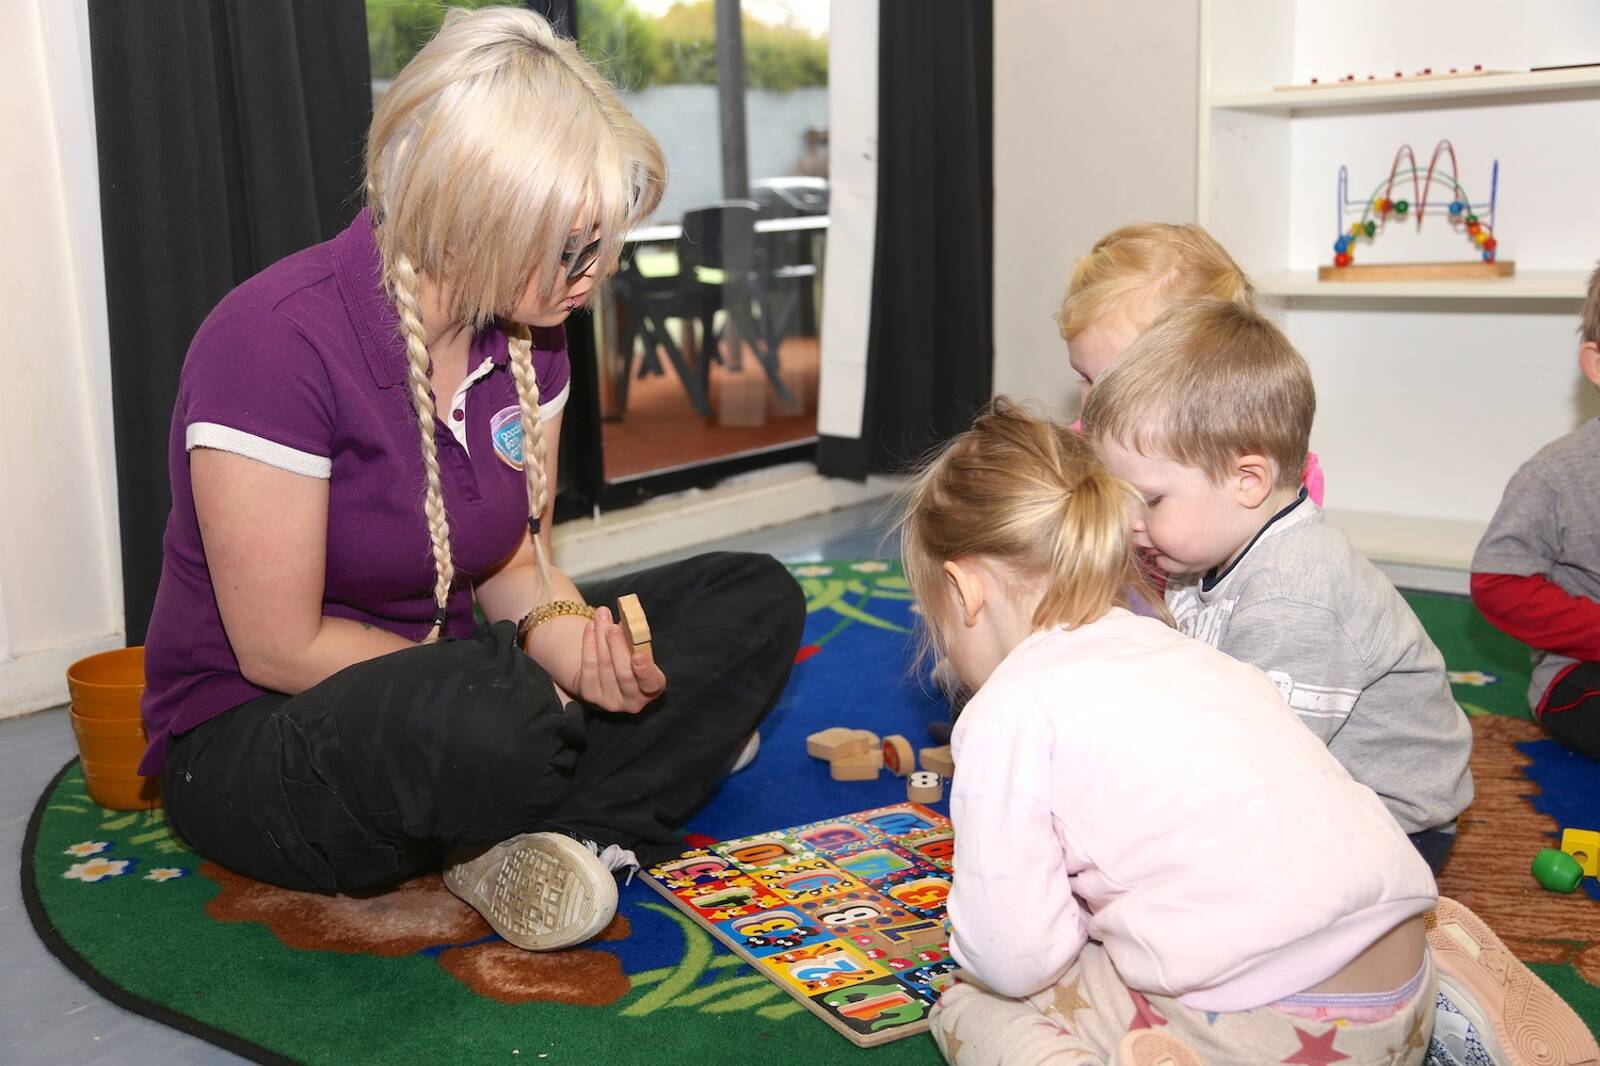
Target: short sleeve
1522	537
554	370
255	386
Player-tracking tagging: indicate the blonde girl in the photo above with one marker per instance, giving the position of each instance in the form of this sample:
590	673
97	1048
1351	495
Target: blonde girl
1124	798
1131	277
364	453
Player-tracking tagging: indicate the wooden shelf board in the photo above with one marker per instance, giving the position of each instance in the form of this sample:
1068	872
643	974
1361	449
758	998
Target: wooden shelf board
1525	285
1420	92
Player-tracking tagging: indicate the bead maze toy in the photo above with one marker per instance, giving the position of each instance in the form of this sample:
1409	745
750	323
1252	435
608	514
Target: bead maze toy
847	915
1474	220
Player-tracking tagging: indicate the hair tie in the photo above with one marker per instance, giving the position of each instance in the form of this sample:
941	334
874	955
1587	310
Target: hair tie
533	525
440	613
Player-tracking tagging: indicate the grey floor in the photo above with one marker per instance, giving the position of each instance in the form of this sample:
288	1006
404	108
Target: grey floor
48	1016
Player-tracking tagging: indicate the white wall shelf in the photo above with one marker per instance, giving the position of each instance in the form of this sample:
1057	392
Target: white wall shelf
1431	393
1436	92
1529	285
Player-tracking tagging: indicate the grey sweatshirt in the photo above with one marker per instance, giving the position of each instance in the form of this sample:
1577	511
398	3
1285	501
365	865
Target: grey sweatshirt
1348	654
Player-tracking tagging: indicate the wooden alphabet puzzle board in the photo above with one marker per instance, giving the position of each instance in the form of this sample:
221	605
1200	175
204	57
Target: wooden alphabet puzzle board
847	915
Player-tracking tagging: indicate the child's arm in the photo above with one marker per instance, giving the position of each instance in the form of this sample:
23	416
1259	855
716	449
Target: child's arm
1016	925
1511	585
1307	653
1539	613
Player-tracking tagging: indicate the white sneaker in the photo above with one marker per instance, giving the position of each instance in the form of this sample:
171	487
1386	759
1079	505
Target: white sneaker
540	891
747	754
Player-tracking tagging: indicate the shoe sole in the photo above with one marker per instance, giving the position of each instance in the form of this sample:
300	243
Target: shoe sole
544	891
1532	1025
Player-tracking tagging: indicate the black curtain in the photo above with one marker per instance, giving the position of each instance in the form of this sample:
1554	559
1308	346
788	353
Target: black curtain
230	135
930	348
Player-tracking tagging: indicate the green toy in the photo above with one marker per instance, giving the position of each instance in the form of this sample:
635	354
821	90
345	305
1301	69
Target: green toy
1556	870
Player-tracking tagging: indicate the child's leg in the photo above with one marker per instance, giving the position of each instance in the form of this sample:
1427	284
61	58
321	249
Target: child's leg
1434	845
1517	1017
1570	712
1091	1016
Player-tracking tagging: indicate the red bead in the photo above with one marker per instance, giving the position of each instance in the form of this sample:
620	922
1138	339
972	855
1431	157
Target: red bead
1490	244
1342	259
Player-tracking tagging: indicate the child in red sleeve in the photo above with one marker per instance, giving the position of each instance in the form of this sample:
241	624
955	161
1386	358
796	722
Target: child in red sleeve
1536	573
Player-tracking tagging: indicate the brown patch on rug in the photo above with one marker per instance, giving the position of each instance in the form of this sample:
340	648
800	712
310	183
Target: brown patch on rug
1499	835
499	971
417	914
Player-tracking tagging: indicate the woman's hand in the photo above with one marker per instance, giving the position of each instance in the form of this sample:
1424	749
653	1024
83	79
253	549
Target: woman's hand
613	676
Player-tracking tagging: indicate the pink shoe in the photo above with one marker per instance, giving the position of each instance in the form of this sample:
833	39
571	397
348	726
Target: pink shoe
1519	1018
1151	1047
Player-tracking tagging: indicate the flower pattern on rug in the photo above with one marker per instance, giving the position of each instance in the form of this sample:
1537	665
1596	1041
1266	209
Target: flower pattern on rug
97	869
87	848
166	873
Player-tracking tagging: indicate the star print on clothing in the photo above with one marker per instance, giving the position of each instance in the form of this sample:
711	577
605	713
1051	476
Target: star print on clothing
1315	1050
1068	1003
1414	1039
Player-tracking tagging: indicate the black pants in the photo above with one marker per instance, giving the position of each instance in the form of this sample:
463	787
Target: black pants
1570	712
378	772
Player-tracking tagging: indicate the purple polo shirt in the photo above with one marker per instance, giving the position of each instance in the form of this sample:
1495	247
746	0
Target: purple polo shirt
303	368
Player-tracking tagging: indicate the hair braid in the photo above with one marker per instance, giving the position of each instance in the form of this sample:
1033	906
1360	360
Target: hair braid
535	453
421	391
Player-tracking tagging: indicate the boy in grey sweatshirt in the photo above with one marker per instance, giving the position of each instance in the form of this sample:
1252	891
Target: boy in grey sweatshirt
1208	414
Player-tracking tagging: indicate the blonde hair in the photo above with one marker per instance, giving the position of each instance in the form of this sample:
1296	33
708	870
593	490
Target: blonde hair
1024	492
1144	269
1589	330
491	144
1208	382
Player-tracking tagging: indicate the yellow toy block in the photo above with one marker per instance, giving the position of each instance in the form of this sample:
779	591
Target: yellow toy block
1583	845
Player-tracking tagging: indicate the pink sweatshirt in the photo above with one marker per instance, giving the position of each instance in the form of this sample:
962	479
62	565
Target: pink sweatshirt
1129	784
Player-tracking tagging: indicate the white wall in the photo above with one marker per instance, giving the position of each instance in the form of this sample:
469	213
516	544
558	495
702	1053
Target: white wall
852	215
1094	127
60	576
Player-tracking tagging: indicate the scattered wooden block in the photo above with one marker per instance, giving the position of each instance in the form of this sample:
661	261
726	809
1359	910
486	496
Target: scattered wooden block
924	786
836	743
855	767
898	758
939	760
630	615
872	739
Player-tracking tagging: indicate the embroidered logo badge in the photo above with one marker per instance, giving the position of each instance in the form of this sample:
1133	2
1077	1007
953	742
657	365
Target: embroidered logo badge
505	429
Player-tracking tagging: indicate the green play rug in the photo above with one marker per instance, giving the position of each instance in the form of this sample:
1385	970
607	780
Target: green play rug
413	975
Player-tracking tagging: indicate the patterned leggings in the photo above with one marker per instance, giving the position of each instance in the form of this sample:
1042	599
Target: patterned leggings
1090	1014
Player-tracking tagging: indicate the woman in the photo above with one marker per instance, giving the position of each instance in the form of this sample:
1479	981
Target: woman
323	709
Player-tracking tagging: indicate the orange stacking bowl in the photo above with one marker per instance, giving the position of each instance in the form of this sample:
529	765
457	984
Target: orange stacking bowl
105	690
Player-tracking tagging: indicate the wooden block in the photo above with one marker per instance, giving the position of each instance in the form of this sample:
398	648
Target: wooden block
872	739
836	743
1583	845
742	399
1464	270
855	767
939	761
924	786
898	758
630	615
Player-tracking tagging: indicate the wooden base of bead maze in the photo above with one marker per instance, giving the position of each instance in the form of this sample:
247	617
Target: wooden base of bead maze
1463	271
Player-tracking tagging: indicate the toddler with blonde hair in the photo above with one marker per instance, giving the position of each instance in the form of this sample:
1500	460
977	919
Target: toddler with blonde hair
1092	921
1131	277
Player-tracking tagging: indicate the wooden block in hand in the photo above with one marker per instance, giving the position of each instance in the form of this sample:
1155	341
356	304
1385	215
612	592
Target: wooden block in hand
897	756
924	786
856	767
939	761
630	615
836	743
